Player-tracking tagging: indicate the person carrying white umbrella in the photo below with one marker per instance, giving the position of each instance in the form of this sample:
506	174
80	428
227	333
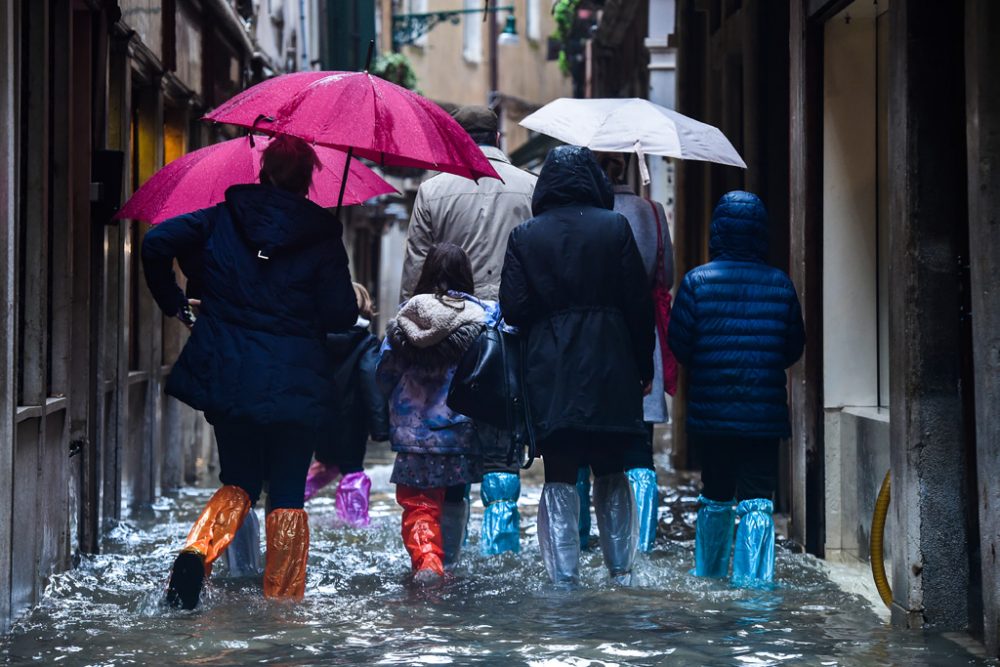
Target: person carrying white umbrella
614	129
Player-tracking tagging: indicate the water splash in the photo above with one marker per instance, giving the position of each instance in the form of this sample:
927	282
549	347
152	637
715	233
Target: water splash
363	608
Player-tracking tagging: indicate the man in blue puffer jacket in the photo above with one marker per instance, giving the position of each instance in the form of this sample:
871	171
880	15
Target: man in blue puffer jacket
736	326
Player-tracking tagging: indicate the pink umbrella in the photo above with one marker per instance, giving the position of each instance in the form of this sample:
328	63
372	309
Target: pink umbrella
363	114
200	179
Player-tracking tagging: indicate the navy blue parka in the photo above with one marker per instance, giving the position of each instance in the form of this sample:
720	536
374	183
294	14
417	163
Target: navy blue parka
274	280
736	325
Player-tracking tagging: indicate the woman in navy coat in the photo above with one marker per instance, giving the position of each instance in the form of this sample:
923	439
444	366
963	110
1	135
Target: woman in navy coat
274	281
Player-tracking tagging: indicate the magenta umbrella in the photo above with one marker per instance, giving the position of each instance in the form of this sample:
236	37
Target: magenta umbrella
358	112
200	179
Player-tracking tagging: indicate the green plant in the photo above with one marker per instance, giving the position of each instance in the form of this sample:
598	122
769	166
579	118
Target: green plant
563	62
396	67
565	14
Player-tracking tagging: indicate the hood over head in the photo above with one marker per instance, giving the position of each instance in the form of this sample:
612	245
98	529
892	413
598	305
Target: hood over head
571	177
739	228
271	219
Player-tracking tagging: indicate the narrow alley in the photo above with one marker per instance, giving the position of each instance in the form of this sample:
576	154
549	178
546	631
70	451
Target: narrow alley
362	607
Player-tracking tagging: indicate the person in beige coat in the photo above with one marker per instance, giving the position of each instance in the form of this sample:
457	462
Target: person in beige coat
477	217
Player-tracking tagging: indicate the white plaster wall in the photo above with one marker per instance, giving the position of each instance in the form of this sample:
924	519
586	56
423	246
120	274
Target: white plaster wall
274	37
849	207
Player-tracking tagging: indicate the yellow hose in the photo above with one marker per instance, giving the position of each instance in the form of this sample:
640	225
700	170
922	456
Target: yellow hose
875	545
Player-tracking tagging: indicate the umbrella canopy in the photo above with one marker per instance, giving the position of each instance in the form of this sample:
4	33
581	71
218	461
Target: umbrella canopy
632	125
200	179
381	121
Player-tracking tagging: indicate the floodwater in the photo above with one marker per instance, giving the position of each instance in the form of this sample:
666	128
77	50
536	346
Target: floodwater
362	607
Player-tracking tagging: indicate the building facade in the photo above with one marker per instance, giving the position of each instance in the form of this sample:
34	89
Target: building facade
96	95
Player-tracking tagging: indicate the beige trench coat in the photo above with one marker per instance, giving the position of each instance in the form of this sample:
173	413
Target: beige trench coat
476	217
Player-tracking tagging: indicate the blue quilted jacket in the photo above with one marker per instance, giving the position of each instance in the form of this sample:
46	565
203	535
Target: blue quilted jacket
736	326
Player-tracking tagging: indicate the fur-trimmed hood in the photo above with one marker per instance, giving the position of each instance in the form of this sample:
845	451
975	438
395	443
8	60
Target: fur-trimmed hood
448	351
433	330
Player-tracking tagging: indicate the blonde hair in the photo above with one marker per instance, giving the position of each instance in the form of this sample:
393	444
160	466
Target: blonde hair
366	307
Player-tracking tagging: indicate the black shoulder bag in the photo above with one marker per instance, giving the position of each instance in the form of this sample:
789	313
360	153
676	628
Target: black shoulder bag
488	387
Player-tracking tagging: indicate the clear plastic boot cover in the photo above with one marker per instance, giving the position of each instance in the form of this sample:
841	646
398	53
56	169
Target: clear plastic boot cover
558	532
583	489
242	557
618	524
454	525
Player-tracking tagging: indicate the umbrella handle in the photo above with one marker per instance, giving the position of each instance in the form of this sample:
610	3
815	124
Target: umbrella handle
253	129
643	169
343	181
371	51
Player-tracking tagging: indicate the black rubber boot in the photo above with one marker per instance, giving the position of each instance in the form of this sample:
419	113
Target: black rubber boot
186	579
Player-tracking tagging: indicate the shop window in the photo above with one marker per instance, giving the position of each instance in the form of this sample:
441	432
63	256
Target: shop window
146	135
175	124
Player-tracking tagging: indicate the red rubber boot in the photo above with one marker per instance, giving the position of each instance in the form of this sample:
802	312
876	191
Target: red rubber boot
422	530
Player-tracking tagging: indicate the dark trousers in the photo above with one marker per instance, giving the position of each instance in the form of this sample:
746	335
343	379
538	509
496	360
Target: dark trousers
250	454
735	467
640	451
349	458
495	445
565	452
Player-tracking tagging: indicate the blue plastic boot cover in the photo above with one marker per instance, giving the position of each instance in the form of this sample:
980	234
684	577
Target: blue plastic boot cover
454	527
713	538
647	500
558	536
242	556
583	489
501	521
753	557
618	524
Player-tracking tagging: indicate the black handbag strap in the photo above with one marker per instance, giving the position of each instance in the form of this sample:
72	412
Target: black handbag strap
523	447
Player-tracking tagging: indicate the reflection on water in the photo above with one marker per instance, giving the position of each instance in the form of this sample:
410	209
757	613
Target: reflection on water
361	607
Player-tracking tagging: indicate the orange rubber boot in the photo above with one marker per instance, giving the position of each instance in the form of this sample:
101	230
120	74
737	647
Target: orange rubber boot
211	534
287	553
422	527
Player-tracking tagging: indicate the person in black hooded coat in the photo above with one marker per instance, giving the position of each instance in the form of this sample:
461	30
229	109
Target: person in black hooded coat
273	281
572	281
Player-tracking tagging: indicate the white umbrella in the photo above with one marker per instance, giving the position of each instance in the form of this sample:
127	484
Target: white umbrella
632	125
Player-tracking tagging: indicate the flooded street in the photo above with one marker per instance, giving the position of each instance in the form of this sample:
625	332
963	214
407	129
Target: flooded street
362	608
